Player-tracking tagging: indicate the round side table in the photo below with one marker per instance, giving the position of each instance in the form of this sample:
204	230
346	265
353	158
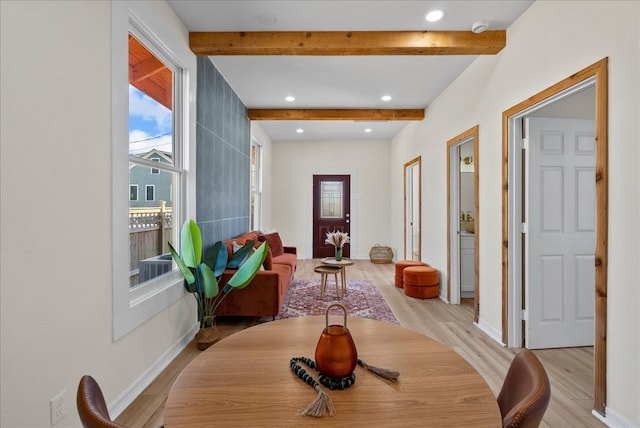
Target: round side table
343	267
325	270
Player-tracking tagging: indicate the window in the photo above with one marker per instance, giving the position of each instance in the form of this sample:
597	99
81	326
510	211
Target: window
153	111
150	192
133	192
331	199
256	186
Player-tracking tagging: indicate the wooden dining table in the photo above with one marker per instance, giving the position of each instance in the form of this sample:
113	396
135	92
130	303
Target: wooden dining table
245	381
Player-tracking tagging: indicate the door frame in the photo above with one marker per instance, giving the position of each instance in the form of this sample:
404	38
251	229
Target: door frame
345	178
413	163
597	75
471	133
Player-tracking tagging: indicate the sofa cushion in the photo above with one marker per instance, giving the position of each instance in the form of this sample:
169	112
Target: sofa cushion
275	243
240	240
268	261
286	259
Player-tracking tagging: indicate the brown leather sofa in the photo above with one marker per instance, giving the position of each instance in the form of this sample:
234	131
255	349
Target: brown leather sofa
266	292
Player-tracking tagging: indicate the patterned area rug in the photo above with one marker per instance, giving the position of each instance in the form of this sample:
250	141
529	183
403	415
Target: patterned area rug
362	300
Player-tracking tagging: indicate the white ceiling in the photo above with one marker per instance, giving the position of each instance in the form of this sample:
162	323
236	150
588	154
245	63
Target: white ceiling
340	81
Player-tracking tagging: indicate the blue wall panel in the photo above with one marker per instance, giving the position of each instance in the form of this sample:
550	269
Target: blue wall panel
223	137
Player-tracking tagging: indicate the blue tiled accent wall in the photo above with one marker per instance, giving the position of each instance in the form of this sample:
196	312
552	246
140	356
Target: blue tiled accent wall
223	141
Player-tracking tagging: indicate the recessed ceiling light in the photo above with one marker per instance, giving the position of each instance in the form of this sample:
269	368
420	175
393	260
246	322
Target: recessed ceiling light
290	98
386	98
299	130
367	130
435	15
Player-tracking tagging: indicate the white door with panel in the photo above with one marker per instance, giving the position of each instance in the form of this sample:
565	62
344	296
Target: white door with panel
560	218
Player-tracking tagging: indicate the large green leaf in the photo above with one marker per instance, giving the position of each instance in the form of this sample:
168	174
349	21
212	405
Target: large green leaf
191	243
248	270
216	258
210	282
239	256
188	275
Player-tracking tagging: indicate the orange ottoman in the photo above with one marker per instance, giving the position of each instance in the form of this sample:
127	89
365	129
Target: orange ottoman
421	282
400	267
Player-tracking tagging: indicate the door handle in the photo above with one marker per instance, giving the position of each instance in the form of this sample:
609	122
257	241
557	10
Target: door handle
347	221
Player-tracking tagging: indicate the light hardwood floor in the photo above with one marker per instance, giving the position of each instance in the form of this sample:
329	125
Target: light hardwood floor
570	370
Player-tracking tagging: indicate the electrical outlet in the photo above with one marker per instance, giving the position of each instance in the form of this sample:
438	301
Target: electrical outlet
58	407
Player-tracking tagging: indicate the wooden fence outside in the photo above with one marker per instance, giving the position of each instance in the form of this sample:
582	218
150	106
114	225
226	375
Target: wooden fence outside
149	233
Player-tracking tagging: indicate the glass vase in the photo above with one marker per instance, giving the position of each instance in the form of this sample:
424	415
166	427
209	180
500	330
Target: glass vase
338	254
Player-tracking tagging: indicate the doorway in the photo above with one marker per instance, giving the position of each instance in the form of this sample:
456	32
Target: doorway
515	202
463	211
331	212
412	209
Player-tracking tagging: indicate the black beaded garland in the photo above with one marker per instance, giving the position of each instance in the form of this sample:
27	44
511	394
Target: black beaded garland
328	382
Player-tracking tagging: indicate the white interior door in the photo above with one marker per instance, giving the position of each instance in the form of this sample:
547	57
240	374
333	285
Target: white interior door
412	210
560	217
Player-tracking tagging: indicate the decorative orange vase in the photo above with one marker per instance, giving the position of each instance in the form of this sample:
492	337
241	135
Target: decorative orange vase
336	355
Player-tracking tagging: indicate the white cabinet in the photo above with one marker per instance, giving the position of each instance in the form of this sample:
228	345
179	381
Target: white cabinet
466	265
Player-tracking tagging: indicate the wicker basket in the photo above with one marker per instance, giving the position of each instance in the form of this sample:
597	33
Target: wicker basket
380	254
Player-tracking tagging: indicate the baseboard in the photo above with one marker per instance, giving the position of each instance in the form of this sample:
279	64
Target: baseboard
135	389
613	419
490	331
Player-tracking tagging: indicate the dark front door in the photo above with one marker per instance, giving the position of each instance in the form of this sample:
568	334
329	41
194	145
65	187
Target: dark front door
331	211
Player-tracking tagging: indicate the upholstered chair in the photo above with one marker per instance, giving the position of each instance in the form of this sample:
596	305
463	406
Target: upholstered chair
525	393
91	405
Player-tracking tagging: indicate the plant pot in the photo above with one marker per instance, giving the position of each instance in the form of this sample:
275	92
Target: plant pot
206	337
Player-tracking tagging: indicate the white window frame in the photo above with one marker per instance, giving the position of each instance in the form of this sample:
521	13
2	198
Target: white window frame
155	171
257	217
156	23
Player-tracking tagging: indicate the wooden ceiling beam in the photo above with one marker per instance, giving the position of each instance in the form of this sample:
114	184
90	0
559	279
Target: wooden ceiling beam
348	43
336	114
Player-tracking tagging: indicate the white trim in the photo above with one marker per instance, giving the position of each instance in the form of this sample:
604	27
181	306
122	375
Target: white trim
159	26
613	419
127	397
490	331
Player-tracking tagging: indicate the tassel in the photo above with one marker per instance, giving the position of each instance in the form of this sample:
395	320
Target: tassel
320	406
387	374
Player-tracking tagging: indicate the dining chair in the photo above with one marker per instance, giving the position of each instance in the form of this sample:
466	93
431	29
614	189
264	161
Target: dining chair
91	405
525	393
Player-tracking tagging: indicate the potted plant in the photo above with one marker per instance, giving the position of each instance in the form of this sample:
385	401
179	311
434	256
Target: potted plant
337	239
202	273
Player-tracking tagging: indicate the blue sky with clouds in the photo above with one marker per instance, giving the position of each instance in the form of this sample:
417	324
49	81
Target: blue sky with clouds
149	124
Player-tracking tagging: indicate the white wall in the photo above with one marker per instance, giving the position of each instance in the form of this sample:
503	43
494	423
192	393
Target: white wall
550	42
56	215
295	163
